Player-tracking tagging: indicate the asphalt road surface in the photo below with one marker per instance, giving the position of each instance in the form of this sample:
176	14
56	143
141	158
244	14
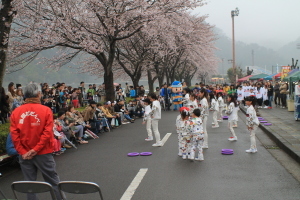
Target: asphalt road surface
240	176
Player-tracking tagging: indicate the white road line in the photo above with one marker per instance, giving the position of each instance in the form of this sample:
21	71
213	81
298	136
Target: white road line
134	184
165	138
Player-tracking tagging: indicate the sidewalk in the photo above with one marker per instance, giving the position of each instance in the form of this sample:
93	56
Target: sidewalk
285	130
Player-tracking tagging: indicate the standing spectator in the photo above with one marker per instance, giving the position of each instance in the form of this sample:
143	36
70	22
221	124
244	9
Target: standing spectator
156	116
81	94
102	93
277	94
165	93
283	92
127	90
11	94
132	92
157	91
141	91
4	106
75	100
91	90
32	134
270	94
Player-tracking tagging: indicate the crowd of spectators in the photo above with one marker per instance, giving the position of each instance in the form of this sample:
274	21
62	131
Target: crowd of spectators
100	115
73	125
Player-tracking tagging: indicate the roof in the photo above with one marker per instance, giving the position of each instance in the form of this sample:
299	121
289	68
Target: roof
258	76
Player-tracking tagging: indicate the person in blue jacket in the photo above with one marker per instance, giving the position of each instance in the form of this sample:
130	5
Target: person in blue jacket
10	148
165	93
132	92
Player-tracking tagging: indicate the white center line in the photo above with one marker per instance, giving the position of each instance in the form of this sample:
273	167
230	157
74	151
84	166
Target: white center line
165	138
134	184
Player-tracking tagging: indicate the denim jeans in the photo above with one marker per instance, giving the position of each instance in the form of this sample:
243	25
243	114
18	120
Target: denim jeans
270	101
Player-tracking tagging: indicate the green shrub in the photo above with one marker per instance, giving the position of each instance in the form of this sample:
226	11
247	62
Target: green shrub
4	131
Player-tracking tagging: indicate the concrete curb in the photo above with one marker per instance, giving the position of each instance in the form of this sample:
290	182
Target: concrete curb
280	141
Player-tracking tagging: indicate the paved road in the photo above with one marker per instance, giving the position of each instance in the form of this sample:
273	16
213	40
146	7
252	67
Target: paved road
240	176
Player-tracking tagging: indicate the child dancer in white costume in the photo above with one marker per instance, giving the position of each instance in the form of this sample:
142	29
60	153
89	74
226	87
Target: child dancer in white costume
233	116
156	116
204	114
181	128
251	122
147	119
193	104
214	106
195	129
221	106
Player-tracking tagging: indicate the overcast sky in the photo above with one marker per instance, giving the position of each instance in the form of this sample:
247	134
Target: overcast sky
270	23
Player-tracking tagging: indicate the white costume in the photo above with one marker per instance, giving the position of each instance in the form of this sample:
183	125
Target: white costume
240	95
233	118
156	116
215	107
204	108
221	108
252	122
186	100
181	129
195	129
148	120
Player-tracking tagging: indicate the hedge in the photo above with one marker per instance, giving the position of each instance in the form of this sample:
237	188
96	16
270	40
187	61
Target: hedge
4	130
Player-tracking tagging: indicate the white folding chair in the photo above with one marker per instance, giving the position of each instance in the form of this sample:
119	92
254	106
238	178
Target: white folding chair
78	187
31	187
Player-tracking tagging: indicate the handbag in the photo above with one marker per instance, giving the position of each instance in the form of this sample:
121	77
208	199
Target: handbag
117	122
112	122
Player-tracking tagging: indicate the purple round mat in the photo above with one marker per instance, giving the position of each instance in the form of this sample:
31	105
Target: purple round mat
146	153
263	121
267	124
227	150
260	117
227	153
133	154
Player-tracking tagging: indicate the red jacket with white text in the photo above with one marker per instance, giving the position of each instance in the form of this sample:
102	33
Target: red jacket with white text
31	127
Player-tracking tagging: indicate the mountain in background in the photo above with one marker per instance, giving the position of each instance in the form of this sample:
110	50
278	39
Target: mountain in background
253	54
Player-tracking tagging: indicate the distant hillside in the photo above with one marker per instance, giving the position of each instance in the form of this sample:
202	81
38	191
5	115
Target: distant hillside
262	55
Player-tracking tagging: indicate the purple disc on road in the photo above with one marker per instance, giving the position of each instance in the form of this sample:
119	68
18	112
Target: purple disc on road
264	121
227	150
259	117
225	117
227	153
146	153
267	124
133	154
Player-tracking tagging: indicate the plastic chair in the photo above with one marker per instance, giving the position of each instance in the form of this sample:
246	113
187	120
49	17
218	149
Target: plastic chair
78	187
31	187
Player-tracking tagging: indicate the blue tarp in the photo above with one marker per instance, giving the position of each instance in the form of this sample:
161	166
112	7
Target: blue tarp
270	77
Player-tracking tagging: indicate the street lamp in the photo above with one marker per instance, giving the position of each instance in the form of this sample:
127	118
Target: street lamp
233	14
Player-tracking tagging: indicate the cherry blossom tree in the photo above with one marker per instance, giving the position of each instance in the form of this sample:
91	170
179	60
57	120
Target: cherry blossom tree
89	29
7	13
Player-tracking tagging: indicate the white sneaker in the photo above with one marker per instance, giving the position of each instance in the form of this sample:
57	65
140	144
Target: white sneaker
149	139
212	123
266	107
158	144
219	120
251	150
191	156
205	147
200	157
232	139
215	126
183	156
234	126
180	154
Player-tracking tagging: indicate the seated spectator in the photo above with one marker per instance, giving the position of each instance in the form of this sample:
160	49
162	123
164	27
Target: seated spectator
68	126
107	112
59	138
46	102
74	96
19	100
131	107
120	109
120	96
111	109
100	118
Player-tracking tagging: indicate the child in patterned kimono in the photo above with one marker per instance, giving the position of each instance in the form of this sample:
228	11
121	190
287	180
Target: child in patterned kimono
251	122
183	137
196	133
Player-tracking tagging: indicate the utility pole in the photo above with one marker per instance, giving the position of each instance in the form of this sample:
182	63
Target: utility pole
233	14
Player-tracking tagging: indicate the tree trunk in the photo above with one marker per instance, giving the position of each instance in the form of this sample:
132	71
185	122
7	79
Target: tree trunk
151	81
5	25
109	85
135	82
